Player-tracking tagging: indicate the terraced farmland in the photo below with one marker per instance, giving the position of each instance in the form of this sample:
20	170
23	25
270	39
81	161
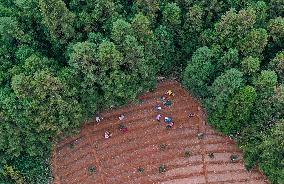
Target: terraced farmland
137	155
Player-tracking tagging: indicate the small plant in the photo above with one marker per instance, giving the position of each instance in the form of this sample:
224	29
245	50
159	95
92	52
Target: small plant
92	169
163	147
140	169
71	145
162	168
234	158
211	155
187	154
200	135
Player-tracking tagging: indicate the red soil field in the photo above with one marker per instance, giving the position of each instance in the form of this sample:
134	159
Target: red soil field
89	158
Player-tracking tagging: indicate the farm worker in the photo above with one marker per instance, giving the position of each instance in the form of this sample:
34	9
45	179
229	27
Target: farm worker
163	98
158	107
123	128
98	119
170	125
107	134
170	93
158	117
121	117
168	119
168	103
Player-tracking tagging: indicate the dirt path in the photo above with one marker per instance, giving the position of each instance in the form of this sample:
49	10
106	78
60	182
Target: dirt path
89	158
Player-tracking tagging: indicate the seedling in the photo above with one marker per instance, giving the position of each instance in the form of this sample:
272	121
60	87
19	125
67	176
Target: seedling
234	158
140	169
162	168
211	155
71	145
200	135
187	154
163	147
163	98
92	169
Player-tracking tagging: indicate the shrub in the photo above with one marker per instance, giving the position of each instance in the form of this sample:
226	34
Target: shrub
187	154
92	169
162	168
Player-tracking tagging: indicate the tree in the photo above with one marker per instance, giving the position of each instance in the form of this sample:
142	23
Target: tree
111	80
108	56
264	110
23	52
98	17
230	59
276	30
266	82
6	63
58	20
11	31
226	85
120	30
85	74
213	10
261	10
272	152
28	120
239	110
149	8
142	29
278	102
276	8
133	55
145	36
194	19
277	64
250	65
234	26
254	43
192	27
166	61
172	16
207	37
198	73
223	89
83	59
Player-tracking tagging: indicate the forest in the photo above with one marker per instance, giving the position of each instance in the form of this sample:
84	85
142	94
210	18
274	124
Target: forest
61	61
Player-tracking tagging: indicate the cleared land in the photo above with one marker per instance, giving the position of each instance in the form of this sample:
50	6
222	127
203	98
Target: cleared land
89	158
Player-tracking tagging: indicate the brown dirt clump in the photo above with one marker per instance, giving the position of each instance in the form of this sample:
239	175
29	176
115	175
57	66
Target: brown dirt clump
191	152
